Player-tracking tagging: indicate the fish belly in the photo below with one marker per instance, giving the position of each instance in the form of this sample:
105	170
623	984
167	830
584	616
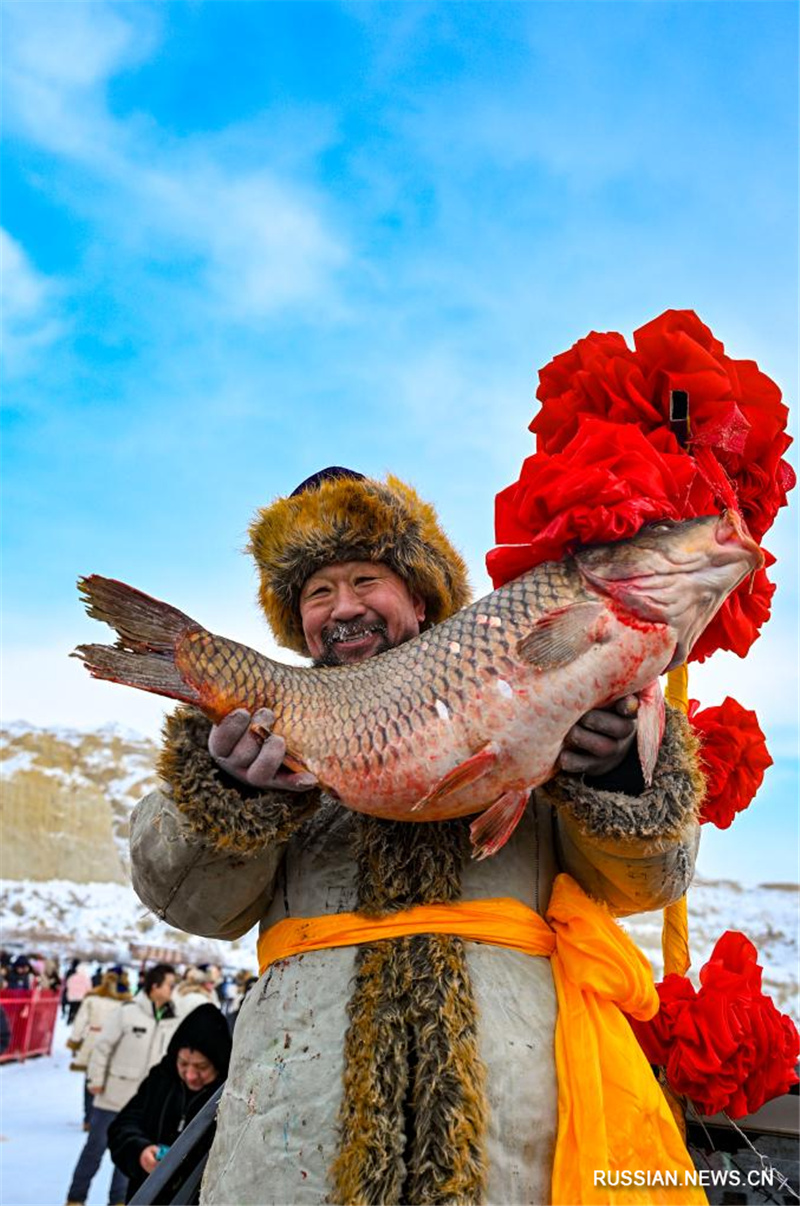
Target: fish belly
524	713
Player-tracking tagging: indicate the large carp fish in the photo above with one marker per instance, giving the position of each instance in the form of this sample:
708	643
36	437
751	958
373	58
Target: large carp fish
471	715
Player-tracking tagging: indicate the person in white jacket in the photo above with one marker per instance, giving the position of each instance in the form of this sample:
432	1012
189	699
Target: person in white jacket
95	1010
133	1039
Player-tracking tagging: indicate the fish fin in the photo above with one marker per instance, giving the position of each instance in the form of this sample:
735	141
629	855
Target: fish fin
561	636
466	772
147	671
143	624
292	763
291	760
492	829
650	722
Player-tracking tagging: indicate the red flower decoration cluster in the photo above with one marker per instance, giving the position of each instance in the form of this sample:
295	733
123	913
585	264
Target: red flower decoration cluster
734	755
726	1046
609	459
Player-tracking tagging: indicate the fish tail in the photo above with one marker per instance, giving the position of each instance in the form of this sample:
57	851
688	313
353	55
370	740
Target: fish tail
148	632
149	672
143	624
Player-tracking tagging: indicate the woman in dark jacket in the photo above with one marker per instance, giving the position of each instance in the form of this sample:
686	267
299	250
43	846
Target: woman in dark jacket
171	1094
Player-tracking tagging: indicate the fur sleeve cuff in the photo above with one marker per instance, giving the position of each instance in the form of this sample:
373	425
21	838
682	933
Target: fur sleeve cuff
661	811
228	815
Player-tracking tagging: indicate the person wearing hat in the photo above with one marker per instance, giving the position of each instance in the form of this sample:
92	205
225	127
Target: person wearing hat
171	1094
412	1068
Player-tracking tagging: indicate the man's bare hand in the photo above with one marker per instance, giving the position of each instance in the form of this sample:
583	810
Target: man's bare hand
236	748
601	739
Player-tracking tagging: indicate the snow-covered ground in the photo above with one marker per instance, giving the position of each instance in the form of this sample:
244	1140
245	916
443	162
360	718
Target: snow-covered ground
41	1111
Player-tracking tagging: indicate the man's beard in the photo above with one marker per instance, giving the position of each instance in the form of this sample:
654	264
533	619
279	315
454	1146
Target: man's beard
349	631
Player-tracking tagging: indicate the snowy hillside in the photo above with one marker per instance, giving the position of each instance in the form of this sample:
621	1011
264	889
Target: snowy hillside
67	785
105	922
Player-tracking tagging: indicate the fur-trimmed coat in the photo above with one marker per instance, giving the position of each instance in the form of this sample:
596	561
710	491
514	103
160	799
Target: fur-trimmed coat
95	1010
417	1069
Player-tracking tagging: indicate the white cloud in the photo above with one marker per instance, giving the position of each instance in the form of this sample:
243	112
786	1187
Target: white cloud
28	301
260	242
57	61
264	243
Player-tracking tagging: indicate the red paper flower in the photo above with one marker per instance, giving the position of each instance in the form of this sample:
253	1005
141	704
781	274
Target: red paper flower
607	483
725	1047
598	393
735	410
735	756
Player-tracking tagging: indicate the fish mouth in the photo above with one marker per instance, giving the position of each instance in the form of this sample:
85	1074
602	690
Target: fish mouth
731	530
689	570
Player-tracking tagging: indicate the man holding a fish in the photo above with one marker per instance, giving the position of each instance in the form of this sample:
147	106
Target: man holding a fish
400	1044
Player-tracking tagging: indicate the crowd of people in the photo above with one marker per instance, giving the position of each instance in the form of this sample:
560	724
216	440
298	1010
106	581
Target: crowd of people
28	971
153	1045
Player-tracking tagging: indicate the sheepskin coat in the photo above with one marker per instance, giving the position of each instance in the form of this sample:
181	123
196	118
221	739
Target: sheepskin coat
416	1069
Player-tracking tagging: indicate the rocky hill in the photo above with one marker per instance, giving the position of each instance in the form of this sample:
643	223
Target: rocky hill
67	798
65	888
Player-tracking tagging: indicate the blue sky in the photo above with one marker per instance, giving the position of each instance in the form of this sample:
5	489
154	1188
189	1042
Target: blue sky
245	240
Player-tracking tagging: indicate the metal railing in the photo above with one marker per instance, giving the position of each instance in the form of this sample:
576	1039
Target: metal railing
31	1014
176	1178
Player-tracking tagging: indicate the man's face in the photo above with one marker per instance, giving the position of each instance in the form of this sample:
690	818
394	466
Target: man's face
161	993
352	610
195	1069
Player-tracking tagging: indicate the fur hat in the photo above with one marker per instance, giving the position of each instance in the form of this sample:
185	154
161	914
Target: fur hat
339	515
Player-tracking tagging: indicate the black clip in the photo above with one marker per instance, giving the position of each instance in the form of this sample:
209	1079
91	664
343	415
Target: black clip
679	415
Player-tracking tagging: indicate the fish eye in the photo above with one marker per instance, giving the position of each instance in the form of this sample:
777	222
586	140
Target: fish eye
662	525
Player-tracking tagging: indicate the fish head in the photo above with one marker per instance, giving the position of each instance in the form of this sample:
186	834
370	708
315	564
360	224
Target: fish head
677	574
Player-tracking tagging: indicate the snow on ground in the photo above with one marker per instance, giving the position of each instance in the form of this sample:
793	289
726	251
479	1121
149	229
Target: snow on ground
102	921
769	915
41	1111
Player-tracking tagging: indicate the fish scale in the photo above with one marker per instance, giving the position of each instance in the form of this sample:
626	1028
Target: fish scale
471	714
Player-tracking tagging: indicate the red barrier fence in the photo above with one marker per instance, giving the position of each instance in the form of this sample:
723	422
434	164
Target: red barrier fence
31	1014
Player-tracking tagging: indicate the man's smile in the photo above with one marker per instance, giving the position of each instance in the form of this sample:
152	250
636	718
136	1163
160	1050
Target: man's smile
348	642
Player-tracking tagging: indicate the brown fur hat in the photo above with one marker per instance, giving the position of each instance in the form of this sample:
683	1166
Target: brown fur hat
341	516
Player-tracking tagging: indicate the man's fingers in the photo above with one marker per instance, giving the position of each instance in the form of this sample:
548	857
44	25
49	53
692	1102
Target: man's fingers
224	736
575	764
582	740
244	748
265	771
301	781
262	721
627	706
608	723
263	768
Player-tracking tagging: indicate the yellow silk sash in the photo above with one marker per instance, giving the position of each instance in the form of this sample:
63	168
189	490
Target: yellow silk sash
613	1118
